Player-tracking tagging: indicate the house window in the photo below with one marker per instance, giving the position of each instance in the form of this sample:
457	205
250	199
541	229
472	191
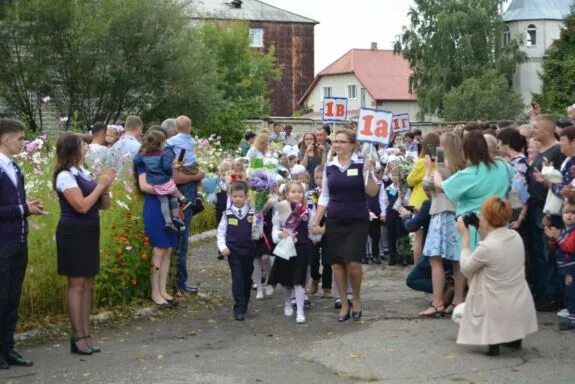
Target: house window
256	37
327	92
506	36
531	35
352	91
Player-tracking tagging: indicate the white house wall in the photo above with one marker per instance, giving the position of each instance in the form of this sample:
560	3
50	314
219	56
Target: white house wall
526	80
398	107
339	84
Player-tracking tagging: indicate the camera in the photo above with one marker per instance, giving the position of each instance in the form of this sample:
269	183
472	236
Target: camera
470	219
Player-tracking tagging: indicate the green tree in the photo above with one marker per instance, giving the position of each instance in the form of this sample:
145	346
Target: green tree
559	71
485	96
449	41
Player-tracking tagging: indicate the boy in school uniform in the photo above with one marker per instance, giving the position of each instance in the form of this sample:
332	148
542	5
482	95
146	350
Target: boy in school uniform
234	240
14	210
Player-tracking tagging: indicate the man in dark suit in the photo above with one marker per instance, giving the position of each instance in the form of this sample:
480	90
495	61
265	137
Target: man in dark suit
13	238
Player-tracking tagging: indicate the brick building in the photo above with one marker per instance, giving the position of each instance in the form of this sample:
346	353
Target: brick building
292	36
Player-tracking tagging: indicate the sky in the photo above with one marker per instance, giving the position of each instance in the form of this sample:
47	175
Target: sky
354	25
344	25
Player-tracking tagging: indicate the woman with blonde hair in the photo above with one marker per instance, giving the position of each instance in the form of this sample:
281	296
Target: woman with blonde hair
260	146
441	241
499	309
415	181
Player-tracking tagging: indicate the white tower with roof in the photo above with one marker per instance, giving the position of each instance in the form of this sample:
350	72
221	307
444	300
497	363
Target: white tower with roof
539	22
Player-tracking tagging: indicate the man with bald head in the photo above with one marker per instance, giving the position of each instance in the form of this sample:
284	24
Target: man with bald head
543	271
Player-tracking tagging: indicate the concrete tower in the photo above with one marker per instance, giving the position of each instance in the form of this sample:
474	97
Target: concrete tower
539	22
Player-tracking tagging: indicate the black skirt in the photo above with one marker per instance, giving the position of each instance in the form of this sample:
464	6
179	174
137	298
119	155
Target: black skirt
345	240
293	271
78	249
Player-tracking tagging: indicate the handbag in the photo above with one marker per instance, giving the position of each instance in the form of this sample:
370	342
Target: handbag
512	194
553	203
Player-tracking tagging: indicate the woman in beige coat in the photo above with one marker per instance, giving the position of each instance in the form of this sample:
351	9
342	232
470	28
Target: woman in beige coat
499	308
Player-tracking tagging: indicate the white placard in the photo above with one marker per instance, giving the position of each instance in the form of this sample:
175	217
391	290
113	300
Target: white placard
401	123
374	126
334	109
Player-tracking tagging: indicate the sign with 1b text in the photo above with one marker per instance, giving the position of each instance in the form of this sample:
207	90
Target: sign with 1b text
401	123
374	126
334	109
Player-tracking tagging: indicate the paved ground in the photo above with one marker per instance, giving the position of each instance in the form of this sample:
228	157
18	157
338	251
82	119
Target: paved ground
390	345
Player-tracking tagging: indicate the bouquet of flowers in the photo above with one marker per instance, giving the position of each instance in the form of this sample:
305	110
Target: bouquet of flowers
261	180
290	216
403	166
210	187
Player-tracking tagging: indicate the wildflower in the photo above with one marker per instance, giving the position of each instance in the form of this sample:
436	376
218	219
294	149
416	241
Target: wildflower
46	99
63	119
118	253
133	281
128	247
144	256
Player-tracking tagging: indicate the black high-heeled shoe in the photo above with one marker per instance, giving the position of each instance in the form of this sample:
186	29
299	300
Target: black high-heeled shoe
493	350
356	315
346	317
94	348
77	350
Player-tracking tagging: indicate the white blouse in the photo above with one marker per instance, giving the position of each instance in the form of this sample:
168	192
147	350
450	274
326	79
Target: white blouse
66	179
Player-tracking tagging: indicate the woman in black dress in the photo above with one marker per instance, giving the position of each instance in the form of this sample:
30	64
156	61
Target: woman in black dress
78	233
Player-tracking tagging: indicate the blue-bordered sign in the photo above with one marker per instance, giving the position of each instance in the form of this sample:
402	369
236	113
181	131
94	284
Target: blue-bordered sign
374	126
401	123
334	109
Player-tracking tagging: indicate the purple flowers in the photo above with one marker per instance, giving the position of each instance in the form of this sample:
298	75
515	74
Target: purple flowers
260	181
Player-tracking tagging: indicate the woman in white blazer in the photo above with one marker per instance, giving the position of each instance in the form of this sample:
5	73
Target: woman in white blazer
499	307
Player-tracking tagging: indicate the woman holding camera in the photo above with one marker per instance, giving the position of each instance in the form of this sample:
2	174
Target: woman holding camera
311	155
81	198
499	309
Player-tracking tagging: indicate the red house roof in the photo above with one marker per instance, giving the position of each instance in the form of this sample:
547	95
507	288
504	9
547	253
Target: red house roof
384	74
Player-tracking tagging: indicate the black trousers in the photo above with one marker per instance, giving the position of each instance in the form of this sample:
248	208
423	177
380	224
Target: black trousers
241	268
318	256
375	235
13	262
395	230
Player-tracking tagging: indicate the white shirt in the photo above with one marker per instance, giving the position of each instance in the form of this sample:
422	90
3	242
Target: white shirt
66	179
240	213
124	150
8	166
324	196
97	153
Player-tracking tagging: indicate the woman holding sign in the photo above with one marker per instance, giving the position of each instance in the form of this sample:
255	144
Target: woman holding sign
343	197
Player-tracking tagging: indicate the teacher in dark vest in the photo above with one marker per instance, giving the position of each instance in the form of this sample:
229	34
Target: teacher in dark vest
78	233
344	199
14	209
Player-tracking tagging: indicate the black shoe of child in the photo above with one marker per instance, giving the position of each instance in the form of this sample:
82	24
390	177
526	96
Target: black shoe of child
220	256
198	206
365	260
178	222
567	325
170	228
337	304
377	260
239	316
514	344
306	304
185	203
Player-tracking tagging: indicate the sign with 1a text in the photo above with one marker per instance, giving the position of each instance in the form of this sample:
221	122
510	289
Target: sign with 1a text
374	126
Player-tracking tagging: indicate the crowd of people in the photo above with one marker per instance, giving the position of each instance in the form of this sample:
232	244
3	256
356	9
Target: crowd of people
489	210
